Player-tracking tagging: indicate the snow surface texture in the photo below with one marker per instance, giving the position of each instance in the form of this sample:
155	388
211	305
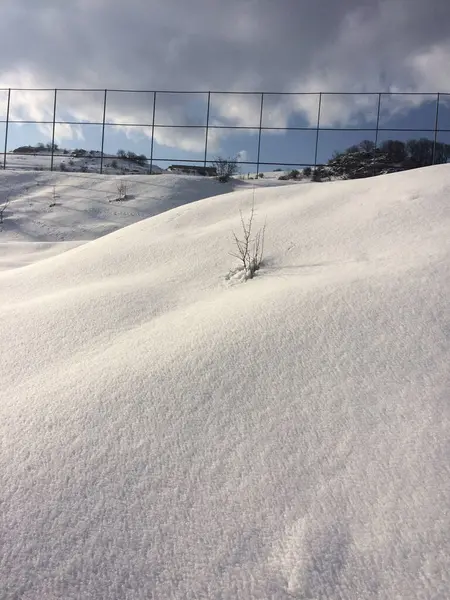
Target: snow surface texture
168	435
51	212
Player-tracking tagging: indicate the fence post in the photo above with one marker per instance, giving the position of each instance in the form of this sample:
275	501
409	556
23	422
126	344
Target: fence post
153	132
259	134
378	120
53	131
207	128
6	128
436	125
377	132
318	129
103	132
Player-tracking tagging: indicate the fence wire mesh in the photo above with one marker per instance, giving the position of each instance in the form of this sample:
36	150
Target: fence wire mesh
327	113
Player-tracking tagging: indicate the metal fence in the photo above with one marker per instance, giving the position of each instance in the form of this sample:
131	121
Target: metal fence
441	100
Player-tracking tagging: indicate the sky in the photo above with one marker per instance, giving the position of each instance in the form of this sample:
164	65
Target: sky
324	46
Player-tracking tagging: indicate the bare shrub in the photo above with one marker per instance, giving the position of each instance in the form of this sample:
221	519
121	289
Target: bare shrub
249	248
288	175
54	197
318	174
2	210
225	168
122	189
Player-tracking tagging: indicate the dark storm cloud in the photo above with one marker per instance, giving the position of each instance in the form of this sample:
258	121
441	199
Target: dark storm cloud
290	45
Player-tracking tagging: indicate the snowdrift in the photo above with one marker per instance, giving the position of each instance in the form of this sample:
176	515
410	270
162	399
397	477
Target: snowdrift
167	434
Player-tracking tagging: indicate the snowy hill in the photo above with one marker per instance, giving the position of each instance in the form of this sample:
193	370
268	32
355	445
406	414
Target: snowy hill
166	434
51	212
70	162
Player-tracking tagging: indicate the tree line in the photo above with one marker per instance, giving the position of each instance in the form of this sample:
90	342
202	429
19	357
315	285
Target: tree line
367	159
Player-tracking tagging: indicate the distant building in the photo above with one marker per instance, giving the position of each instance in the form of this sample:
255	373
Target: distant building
193	170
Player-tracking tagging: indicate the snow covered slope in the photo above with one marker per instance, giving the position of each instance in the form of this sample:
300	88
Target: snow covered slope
51	212
90	163
166	434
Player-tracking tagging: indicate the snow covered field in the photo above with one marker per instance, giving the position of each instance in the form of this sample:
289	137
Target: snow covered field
41	161
167	434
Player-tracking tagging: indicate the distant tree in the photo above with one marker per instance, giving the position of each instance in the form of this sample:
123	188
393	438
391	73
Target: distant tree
441	153
353	149
307	171
394	151
24	150
318	174
420	152
293	174
367	146
367	160
139	159
225	168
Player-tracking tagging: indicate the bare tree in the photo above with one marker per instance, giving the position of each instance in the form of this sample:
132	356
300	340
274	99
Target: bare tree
2	210
225	168
249	249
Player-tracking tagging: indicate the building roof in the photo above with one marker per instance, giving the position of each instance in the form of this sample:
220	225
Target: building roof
196	168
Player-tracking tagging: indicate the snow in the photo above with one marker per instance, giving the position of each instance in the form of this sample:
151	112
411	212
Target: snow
41	161
166	434
51	212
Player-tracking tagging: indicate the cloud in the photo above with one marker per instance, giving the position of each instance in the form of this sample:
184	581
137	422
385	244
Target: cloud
293	46
242	156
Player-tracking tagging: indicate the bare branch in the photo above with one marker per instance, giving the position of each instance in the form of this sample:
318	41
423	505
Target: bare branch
249	250
122	190
54	196
2	210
